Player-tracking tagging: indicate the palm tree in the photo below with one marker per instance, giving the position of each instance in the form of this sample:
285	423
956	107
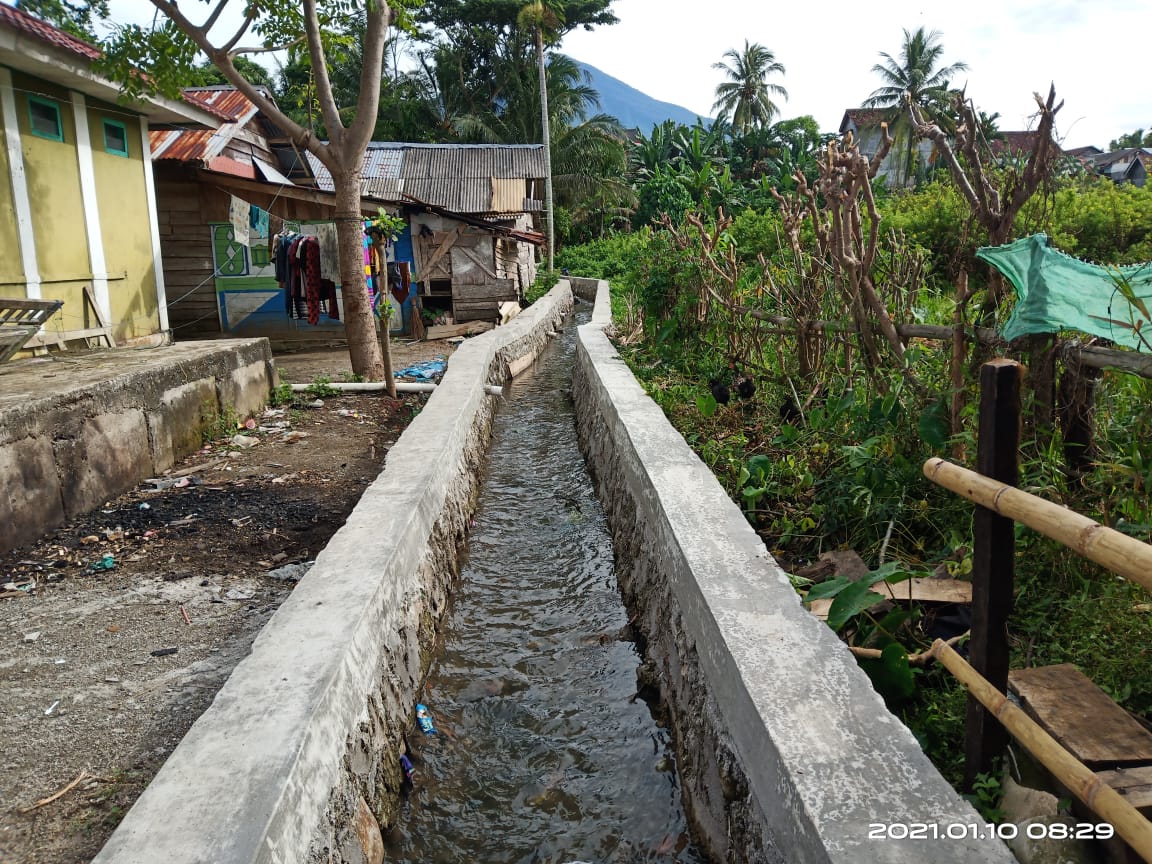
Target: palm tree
913	78
747	95
544	18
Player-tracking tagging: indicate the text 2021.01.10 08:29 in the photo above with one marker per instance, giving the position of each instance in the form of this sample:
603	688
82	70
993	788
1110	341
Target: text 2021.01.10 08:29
989	830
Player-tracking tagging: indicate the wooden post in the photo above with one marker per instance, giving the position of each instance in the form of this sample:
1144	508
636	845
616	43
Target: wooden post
993	560
385	324
959	360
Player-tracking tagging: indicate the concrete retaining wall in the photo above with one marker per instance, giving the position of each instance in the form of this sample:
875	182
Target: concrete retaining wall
72	437
297	757
786	753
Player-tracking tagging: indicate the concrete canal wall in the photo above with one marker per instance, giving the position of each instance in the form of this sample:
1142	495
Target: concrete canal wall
297	757
785	751
73	435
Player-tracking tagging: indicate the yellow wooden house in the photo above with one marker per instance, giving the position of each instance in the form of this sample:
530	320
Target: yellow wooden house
77	202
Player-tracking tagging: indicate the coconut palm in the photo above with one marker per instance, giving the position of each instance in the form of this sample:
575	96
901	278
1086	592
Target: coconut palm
913	78
544	19
747	95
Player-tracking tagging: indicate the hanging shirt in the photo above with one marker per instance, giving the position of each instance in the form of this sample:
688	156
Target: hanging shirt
239	214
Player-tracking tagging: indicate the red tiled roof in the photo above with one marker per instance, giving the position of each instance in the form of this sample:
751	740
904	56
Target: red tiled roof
1016	143
20	20
865	117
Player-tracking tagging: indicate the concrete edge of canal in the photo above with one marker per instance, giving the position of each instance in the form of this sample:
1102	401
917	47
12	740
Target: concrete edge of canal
296	759
785	751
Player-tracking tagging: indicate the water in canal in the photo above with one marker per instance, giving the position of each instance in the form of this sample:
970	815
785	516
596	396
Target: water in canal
543	755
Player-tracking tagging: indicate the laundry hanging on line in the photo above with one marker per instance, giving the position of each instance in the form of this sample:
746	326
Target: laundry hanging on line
240	215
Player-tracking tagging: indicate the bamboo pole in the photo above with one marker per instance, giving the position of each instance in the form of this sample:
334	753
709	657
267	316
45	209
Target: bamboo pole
1099	797
1120	553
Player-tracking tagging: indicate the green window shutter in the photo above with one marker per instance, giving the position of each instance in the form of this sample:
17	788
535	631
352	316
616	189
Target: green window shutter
229	257
115	138
44	119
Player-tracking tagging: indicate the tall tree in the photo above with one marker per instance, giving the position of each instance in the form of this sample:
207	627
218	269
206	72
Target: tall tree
747	94
915	78
544	19
1133	139
166	54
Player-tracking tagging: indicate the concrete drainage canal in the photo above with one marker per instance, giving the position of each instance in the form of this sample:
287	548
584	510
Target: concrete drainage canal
543	752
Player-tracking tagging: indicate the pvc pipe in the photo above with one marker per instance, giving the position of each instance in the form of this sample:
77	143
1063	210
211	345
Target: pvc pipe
379	386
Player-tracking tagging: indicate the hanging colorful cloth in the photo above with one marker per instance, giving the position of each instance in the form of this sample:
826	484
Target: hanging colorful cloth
257	221
312	278
239	214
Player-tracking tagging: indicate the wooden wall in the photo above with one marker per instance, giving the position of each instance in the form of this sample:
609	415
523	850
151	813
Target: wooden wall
187	201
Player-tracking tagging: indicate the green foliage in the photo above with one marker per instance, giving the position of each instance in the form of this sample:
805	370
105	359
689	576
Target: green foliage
662	194
390	226
854	596
215	424
544	283
321	388
281	395
78	18
987	793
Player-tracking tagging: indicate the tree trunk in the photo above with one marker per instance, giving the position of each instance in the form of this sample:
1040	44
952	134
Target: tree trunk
545	126
359	326
386	323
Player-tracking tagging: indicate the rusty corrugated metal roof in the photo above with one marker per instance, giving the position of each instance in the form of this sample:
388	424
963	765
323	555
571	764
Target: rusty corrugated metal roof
20	20
200	145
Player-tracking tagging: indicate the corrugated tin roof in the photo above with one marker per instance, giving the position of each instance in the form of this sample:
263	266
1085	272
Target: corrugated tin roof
457	177
20	20
200	145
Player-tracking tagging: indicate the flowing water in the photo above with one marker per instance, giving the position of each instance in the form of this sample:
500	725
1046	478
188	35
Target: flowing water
543	754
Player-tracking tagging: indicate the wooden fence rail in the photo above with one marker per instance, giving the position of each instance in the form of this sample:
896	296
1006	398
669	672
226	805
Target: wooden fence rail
1093	356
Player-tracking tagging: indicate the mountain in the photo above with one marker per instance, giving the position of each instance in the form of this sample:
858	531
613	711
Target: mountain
634	110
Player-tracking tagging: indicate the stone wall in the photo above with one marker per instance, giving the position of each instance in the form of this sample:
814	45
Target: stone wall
69	441
785	752
297	758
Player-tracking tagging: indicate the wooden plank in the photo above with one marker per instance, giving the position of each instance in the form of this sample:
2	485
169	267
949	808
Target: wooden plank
927	590
1081	717
1133	784
447	331
439	252
993	561
41	340
478	257
496	289
475	311
921	590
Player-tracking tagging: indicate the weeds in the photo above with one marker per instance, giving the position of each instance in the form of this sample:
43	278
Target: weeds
216	424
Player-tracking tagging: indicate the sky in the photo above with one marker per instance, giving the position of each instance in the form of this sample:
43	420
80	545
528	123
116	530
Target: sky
1094	52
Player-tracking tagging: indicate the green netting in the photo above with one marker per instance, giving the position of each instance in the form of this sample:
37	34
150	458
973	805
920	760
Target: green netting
1057	292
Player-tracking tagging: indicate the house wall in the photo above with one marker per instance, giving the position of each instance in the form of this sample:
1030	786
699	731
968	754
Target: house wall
207	299
122	201
53	177
11	269
88	211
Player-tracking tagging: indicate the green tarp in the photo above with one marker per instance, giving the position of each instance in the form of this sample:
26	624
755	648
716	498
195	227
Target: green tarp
1057	292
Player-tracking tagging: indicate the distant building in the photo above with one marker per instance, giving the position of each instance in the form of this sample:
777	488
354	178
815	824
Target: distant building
468	244
864	124
1130	165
